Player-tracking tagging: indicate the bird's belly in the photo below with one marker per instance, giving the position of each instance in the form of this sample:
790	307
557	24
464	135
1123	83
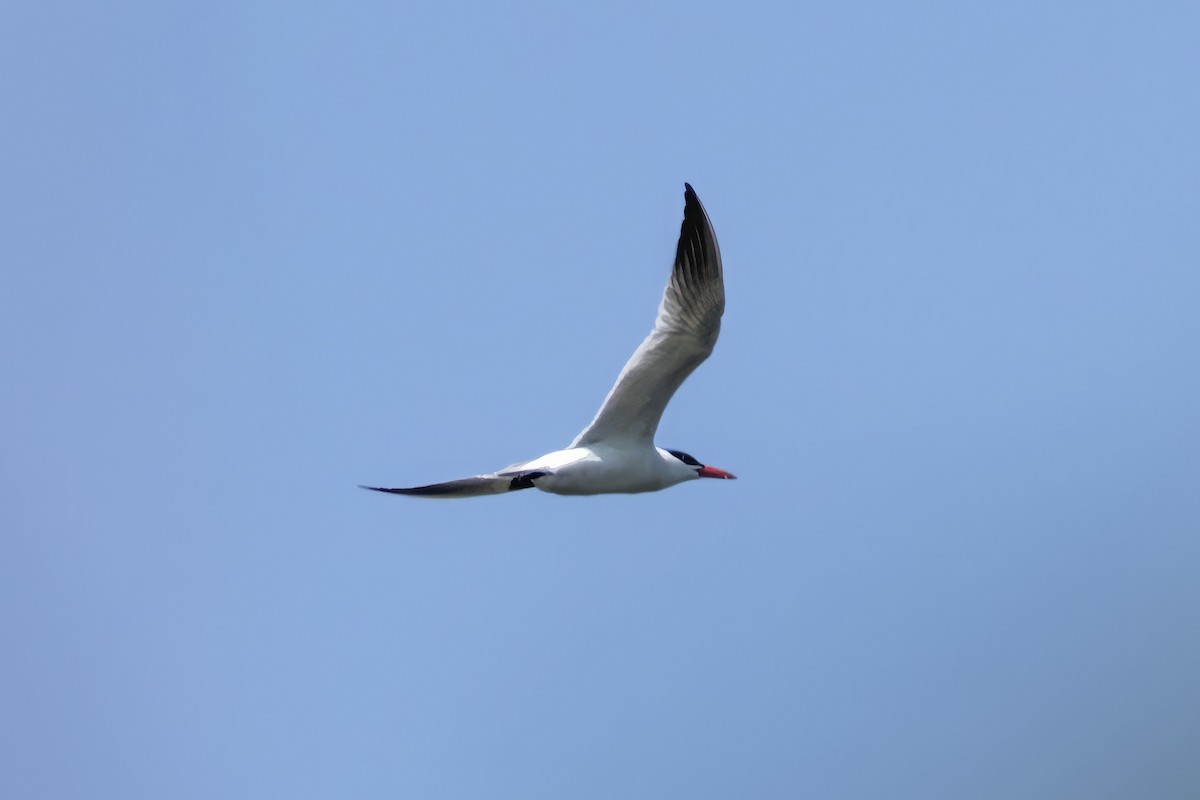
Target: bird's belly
590	476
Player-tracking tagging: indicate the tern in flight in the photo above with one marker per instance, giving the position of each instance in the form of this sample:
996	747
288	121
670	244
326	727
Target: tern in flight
616	452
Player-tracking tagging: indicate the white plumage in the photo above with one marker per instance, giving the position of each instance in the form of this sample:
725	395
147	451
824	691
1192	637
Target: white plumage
616	451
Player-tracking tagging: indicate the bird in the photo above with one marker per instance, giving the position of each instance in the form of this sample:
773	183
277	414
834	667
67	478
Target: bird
616	453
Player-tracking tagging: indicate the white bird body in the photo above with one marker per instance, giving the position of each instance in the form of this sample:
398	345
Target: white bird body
615	453
606	468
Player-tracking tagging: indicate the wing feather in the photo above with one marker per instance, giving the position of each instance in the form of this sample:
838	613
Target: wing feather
684	334
464	487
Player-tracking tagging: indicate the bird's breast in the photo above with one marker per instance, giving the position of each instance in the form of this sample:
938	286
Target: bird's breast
608	471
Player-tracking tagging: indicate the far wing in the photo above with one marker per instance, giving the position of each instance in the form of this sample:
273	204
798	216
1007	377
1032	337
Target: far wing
469	487
689	320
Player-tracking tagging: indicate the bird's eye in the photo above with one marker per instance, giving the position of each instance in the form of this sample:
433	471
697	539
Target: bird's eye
685	458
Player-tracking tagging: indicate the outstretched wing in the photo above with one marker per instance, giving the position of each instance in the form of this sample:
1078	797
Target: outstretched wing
469	487
689	320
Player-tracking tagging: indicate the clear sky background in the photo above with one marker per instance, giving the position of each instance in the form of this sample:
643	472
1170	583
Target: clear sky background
256	254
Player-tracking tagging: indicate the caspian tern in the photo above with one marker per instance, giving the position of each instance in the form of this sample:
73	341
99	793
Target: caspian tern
616	452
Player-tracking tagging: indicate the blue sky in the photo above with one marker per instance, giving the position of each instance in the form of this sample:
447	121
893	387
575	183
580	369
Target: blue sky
257	254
